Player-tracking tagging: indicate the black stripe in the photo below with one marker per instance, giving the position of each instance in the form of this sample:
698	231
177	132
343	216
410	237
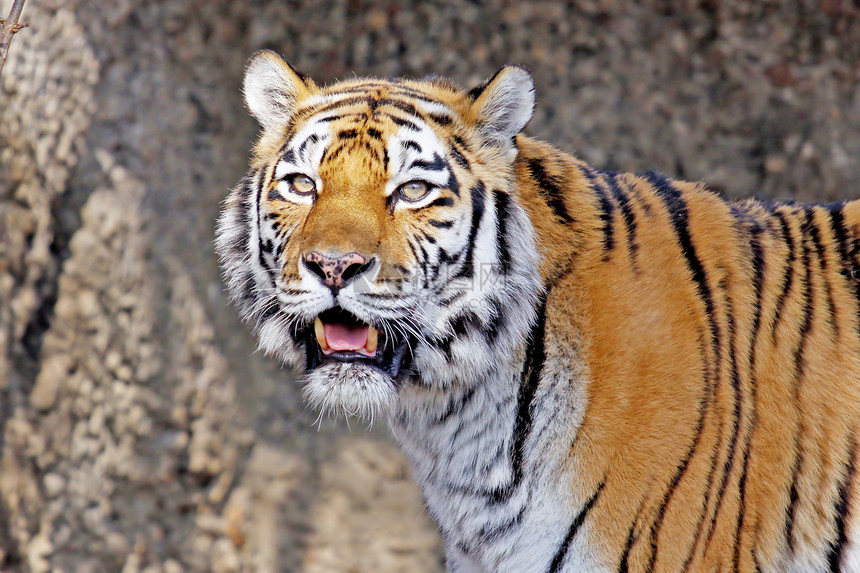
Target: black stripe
441	202
334	105
441	224
313	138
632	538
465	323
558	559
425	261
289	156
461	142
550	188
412	93
415	255
530	378
849	269
758	265
401	105
627	214
439	118
436	164
842	509
399	121
452	184
444	345
478	198
679	217
331	155
497	321
459	157
706	501
502	202
456	404
788	275
815	234
409	144
737	411
274	195
793	495
529	381
366	88
799	359
374	133
607	209
492	533
260	245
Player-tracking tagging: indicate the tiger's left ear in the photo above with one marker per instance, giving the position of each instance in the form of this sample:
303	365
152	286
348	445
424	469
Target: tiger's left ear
504	105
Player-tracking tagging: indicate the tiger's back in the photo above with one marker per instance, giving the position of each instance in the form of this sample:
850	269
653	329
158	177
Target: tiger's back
589	371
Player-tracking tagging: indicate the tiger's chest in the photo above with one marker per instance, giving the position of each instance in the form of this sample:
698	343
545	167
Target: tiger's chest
492	465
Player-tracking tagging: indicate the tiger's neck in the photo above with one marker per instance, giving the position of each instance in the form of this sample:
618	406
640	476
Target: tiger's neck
491	459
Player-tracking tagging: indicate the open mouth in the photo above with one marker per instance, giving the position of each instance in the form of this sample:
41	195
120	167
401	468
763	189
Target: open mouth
339	336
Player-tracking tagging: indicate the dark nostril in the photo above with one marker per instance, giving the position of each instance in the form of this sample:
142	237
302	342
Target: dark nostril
315	268
354	270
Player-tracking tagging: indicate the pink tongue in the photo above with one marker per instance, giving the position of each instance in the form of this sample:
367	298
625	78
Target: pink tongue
344	337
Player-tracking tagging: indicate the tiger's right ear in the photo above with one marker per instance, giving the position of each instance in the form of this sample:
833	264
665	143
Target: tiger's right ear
504	105
272	87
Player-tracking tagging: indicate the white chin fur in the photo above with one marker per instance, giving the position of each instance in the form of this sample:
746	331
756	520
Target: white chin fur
353	388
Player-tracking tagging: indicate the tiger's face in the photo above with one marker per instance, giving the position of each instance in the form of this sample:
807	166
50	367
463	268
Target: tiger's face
377	240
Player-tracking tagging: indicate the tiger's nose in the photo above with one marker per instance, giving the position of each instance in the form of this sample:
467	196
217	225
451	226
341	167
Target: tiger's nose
336	272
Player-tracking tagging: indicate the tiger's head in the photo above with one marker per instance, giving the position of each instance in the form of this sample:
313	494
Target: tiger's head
377	240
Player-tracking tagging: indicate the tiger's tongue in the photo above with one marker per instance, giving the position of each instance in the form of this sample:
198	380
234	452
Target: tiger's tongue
345	337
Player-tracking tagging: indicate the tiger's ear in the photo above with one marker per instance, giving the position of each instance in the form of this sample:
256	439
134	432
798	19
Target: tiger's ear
272	87
504	105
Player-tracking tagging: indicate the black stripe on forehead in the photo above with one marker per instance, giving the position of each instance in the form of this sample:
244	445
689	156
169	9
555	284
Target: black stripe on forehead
310	140
440	118
400	122
374	102
435	164
295	150
409	144
323	107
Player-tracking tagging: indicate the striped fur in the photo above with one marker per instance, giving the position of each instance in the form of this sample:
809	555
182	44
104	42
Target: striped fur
605	372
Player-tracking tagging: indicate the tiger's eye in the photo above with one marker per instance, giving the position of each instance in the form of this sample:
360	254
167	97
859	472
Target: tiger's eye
303	184
414	190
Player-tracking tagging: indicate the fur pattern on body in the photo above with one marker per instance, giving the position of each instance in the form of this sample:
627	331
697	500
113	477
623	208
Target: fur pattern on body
589	371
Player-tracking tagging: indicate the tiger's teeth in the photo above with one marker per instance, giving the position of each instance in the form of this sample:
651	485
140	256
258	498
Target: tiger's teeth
319	329
372	340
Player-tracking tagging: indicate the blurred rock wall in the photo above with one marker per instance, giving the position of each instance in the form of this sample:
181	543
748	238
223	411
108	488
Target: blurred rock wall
139	431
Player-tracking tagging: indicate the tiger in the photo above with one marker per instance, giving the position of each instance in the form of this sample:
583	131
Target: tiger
588	371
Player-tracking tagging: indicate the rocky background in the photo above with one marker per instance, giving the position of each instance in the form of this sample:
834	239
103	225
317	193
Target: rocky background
139	431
